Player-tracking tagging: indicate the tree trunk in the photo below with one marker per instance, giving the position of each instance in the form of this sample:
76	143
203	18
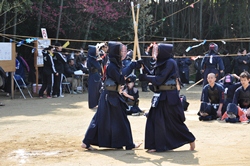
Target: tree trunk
39	19
201	19
15	22
59	20
87	31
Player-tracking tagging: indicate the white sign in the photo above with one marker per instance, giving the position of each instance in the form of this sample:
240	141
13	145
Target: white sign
5	51
44	33
41	44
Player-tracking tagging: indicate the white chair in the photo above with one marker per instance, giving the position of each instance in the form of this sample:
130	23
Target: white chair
66	84
17	78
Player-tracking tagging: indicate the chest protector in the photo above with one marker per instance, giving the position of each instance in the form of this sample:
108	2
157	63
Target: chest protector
213	95
244	99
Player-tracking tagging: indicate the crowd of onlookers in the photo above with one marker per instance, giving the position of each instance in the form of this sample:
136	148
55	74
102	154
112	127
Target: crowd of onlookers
61	65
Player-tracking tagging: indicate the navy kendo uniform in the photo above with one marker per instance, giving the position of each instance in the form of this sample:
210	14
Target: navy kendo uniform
197	66
183	64
110	126
211	98
243	62
165	128
229	89
212	63
95	75
133	104
242	98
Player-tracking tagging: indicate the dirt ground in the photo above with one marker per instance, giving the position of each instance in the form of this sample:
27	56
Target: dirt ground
49	132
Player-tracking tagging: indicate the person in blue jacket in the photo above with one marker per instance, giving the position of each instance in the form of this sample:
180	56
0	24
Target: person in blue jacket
95	76
165	127
212	63
110	126
212	99
184	64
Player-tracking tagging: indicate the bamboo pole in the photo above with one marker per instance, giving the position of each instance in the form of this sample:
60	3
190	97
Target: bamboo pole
195	84
135	25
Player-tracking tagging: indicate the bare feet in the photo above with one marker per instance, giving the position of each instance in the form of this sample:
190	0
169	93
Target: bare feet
85	146
151	150
137	145
192	146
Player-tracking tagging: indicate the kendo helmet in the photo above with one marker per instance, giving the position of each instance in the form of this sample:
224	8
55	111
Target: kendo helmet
232	110
114	52
92	51
213	47
131	78
228	79
164	51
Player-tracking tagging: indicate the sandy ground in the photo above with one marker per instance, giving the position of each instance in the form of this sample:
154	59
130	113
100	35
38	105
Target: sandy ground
49	132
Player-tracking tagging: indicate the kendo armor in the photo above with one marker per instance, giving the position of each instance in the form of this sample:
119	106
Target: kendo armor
213	95
244	99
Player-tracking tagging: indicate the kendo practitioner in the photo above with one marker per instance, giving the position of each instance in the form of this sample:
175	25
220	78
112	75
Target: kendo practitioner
212	63
146	61
165	127
102	56
131	96
183	64
243	61
212	99
128	64
227	61
110	126
59	61
242	94
95	76
229	88
197	66
49	71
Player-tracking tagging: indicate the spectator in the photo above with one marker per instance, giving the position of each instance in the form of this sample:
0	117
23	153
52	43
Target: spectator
210	63
243	61
59	61
70	68
212	99
146	61
197	66
227	61
229	89
48	72
131	96
183	64
95	74
242	94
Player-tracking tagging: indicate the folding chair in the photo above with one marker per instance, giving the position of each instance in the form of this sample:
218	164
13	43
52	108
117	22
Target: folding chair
66	84
17	78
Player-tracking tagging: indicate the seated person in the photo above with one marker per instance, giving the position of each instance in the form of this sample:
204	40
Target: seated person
83	65
242	94
212	99
131	96
229	88
71	77
234	114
